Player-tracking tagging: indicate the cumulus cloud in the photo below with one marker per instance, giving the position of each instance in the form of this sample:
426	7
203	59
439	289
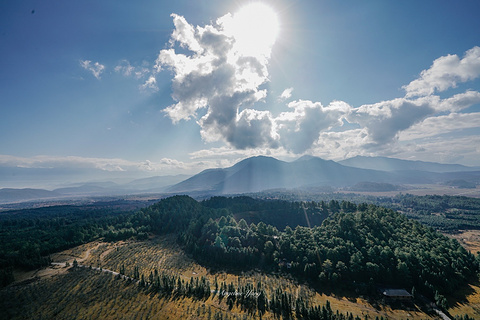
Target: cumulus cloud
337	145
95	68
434	126
286	94
459	101
225	80
300	128
421	113
446	72
218	84
217	76
384	120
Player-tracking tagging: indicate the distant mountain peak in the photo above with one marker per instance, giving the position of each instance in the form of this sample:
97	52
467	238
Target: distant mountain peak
306	157
260	158
309	158
262	173
256	160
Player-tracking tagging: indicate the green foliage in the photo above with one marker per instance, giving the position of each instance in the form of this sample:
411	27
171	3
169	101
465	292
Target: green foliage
28	236
273	212
371	245
336	243
249	298
448	213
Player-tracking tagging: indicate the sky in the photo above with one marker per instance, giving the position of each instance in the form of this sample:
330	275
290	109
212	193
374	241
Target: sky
103	89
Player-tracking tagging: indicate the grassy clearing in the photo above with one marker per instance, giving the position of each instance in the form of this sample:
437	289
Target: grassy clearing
466	300
469	305
469	239
89	294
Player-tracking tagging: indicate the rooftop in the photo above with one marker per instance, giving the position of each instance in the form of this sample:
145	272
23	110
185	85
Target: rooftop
396	293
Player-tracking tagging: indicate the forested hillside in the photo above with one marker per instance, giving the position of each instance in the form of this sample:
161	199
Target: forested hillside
28	237
329	245
442	212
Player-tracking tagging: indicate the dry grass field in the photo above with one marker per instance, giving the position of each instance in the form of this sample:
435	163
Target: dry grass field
61	293
469	305
469	239
424	189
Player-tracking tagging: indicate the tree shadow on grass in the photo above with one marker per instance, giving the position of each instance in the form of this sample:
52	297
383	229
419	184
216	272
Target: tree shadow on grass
460	296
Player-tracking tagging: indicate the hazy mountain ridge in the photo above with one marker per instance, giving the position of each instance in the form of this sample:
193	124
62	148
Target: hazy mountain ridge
11	194
261	173
106	188
393	164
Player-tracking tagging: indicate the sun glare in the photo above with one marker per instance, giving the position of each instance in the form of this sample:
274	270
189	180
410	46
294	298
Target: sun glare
255	28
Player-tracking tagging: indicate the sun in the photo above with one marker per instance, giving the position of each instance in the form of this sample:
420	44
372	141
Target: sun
255	28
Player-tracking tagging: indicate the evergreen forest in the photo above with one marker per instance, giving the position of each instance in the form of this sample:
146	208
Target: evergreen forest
326	244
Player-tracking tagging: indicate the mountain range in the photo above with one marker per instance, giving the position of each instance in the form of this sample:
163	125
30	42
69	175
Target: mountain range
263	173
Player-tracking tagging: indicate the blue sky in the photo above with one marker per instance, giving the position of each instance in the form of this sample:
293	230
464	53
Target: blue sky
127	88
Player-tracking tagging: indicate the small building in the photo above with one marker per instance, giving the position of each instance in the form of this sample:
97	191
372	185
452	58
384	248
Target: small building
397	294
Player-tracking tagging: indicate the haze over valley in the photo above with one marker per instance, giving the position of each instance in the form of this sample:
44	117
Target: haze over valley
261	173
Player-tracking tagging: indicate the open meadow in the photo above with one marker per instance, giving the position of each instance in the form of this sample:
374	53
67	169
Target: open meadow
88	293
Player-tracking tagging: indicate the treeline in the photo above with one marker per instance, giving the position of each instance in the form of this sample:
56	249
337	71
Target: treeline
249	298
361	244
276	213
28	236
449	213
443	212
355	245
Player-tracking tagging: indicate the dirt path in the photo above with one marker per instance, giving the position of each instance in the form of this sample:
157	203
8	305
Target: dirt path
87	253
56	268
64	265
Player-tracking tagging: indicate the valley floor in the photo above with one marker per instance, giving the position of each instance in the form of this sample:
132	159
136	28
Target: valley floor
423	190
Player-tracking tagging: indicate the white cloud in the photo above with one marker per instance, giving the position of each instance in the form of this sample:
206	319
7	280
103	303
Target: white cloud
218	77
151	84
142	73
96	68
459	101
227	156
221	78
434	126
219	85
446	72
300	128
463	150
340	145
104	164
286	94
125	68
384	120
184	34
64	162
